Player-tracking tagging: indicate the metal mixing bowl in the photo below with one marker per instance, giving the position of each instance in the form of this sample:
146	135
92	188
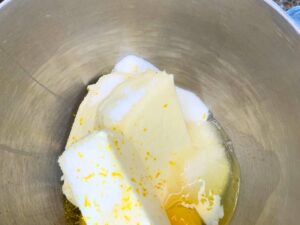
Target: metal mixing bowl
240	56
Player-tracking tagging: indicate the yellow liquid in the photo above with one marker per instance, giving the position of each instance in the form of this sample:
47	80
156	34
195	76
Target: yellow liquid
72	214
178	214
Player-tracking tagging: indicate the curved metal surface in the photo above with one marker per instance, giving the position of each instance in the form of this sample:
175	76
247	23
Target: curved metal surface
241	57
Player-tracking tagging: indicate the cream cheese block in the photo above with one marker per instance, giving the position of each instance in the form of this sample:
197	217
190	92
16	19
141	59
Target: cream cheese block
101	186
145	109
153	126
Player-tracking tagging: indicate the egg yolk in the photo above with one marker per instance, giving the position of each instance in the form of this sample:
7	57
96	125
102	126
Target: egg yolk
180	215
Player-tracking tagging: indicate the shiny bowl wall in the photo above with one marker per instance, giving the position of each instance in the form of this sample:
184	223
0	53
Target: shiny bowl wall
240	56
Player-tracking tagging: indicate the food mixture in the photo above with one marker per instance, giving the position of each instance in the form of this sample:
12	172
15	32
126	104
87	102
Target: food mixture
143	151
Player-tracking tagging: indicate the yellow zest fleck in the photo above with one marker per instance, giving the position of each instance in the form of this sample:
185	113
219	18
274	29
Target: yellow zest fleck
165	105
148	155
116	174
114	128
204	116
119	150
103	169
126	206
158	186
126	199
145	129
137	190
133	180
108	147
81	121
103	174
210	197
203	200
80	155
78	170
160	183
97	164
129	189
74	139
172	163
148	177
88	177
127	217
116	142
157	174
86	202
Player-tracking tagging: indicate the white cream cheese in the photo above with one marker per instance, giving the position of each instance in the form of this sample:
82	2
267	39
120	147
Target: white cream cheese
153	123
160	124
101	187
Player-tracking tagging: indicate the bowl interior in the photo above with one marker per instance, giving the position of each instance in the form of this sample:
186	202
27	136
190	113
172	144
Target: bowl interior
240	57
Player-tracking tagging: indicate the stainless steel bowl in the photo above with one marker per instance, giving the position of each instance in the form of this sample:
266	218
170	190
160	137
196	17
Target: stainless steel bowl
240	56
